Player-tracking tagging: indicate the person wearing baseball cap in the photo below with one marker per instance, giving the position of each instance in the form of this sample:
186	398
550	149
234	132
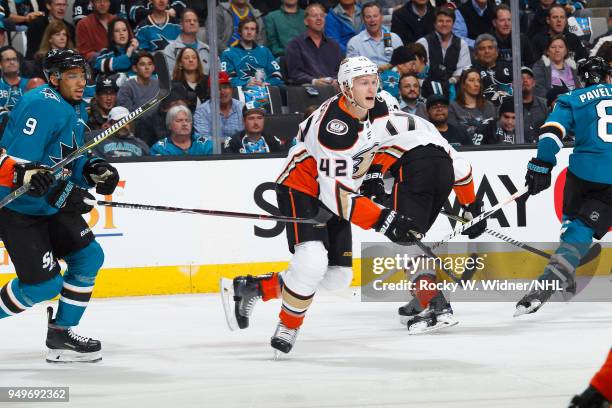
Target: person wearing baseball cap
437	112
252	139
402	63
104	100
230	111
534	107
122	143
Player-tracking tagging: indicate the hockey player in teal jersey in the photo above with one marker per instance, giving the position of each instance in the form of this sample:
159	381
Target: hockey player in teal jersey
587	197
40	228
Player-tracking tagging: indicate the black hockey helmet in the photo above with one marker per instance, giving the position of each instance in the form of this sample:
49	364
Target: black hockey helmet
58	61
593	70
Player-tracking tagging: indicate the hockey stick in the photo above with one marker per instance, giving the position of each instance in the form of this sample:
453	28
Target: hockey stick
263	217
486	214
164	90
593	252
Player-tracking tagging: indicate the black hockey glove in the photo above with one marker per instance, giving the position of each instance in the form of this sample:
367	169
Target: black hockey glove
470	212
38	175
538	176
373	185
68	197
590	398
100	173
397	227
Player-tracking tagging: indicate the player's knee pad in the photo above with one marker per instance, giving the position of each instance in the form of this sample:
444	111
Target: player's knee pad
597	215
337	277
84	264
42	291
306	268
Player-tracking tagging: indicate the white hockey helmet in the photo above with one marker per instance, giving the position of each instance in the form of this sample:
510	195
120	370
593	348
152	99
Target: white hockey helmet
351	68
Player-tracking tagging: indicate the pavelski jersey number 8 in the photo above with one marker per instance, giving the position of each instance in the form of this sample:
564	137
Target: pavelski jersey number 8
334	151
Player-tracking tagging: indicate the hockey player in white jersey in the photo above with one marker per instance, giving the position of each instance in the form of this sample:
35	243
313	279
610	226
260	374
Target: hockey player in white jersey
425	168
322	175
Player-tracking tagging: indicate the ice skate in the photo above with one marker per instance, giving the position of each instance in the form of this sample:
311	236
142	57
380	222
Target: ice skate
65	346
239	297
556	277
409	311
283	339
438	315
533	301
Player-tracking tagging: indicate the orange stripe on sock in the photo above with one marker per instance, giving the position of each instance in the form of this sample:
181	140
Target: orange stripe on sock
290	320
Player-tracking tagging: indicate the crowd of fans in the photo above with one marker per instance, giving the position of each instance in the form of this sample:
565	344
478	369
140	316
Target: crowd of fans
448	62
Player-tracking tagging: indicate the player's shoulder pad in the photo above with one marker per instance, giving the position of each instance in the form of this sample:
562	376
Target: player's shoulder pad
338	130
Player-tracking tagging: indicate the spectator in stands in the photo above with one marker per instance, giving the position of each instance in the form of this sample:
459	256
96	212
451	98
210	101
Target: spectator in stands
122	45
189	30
83	8
252	139
538	23
534	107
555	68
230	112
123	143
12	84
152	127
248	63
25	12
448	55
343	22
92	32
496	75
471	110
437	113
182	140
502	130
283	25
403	62
155	31
602	39
375	42
478	16
137	90
102	103
410	96
56	37
553	94
557	25
229	16
139	10
189	73
36	30
413	20
312	57
502	24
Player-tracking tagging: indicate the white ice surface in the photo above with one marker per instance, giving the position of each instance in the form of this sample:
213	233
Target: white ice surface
176	351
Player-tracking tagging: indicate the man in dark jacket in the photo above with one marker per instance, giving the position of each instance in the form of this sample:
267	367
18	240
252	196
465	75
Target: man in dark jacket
557	24
252	138
413	21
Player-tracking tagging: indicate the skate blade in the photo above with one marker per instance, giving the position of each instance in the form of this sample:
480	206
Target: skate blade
69	356
522	310
277	355
227	298
437	327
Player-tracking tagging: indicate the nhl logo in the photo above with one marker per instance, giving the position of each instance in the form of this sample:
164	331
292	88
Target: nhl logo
594	216
337	127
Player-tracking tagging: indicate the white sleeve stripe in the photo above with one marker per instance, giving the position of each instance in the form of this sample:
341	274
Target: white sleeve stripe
557	125
553	137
